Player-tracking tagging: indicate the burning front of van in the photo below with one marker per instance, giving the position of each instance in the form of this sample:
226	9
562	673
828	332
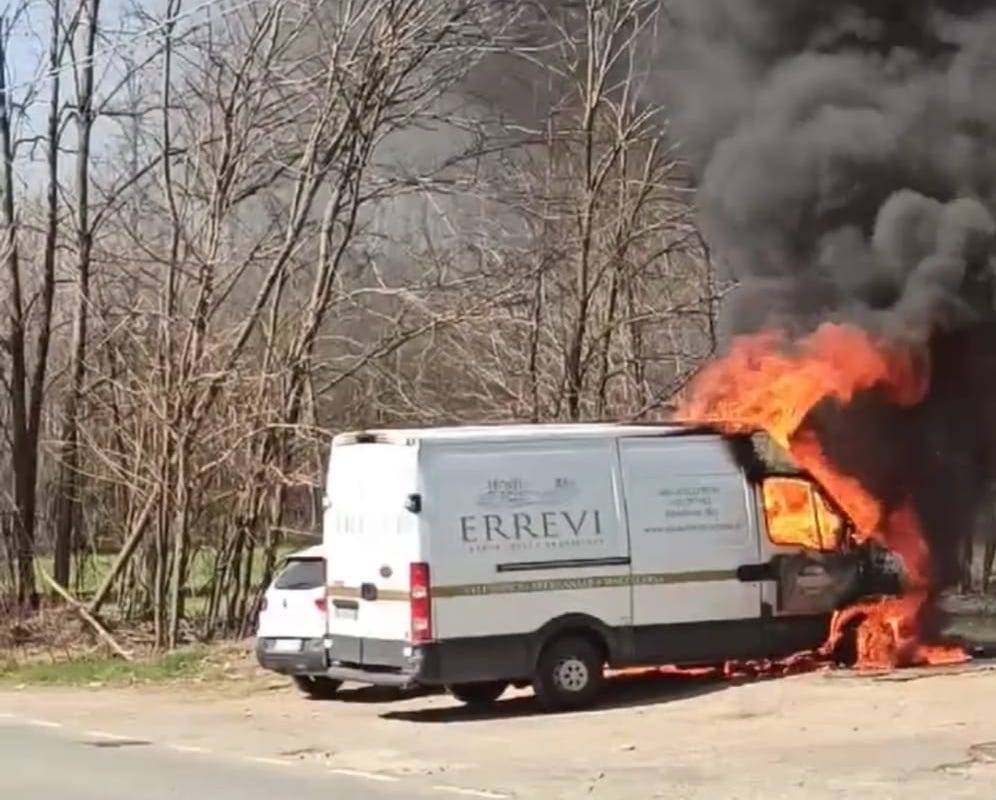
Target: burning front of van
767	383
843	157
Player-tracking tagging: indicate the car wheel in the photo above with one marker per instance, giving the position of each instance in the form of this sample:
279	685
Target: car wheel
478	695
570	673
317	686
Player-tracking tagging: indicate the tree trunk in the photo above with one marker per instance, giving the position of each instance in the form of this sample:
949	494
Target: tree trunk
181	544
24	434
69	471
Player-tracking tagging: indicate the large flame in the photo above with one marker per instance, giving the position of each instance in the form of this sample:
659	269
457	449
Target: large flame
768	383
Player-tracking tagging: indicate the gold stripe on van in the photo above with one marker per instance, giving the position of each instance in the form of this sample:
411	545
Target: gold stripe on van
546	585
393	594
354	593
343	592
700	576
575	584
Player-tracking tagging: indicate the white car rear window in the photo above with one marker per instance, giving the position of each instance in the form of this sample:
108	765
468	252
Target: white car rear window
301	574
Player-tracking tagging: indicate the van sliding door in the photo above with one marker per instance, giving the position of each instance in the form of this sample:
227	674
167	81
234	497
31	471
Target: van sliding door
692	526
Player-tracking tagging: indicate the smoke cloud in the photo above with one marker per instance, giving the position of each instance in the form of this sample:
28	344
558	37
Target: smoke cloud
845	153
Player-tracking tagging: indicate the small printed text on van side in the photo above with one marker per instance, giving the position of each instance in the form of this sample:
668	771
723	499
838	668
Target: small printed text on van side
691	501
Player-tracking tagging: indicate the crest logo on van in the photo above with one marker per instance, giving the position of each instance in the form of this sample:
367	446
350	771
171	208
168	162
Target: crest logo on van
515	493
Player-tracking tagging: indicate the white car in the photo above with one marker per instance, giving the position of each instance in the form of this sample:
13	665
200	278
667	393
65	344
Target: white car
290	638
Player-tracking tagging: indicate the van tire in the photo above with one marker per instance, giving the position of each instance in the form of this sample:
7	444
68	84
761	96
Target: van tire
478	695
570	673
317	686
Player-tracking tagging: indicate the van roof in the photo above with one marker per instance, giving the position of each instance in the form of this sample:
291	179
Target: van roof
514	431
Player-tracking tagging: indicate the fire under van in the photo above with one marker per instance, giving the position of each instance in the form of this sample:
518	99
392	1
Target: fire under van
478	557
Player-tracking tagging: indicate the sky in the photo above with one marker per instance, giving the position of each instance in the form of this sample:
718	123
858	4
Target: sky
129	32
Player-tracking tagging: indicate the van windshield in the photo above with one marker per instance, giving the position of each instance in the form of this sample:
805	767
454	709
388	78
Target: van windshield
302	574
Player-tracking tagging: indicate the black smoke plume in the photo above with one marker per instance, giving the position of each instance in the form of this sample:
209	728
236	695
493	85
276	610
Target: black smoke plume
845	152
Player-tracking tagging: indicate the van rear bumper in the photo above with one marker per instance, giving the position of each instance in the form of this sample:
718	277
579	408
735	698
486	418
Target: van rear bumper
397	679
377	662
434	664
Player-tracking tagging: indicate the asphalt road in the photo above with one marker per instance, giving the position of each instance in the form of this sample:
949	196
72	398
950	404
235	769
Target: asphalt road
910	735
41	763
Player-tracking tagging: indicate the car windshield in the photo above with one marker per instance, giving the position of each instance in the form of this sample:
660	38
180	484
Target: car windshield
302	574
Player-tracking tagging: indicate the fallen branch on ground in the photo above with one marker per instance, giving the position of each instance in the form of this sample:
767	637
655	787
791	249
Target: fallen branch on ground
87	617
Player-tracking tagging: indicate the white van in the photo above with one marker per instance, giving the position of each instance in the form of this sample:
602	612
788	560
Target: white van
290	636
476	557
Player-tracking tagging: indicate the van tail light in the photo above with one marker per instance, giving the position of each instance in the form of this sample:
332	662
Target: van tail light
420	602
322	604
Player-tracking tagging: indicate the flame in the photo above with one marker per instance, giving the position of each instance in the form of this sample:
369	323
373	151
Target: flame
888	634
790	515
767	383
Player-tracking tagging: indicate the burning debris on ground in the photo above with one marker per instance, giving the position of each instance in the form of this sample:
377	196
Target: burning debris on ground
846	155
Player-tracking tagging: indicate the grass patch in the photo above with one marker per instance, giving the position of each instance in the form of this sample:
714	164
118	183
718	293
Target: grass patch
88	573
180	665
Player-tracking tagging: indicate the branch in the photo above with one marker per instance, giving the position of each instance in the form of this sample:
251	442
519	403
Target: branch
87	617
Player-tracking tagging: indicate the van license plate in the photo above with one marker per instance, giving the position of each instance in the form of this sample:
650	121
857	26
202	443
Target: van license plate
346	613
287	646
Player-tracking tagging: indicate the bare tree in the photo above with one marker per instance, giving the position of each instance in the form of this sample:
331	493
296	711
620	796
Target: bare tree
267	169
26	383
68	501
589	211
277	220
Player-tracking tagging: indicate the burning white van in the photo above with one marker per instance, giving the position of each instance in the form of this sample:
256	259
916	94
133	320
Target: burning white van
476	557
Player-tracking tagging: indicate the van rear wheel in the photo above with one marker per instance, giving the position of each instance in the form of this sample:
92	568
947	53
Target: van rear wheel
478	695
570	674
317	686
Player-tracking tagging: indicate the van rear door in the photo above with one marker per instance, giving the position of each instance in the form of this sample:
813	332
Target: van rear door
692	526
372	540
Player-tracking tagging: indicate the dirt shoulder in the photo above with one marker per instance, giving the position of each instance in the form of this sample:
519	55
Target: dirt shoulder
823	735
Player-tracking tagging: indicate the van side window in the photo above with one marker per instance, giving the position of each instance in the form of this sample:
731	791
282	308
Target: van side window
798	515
